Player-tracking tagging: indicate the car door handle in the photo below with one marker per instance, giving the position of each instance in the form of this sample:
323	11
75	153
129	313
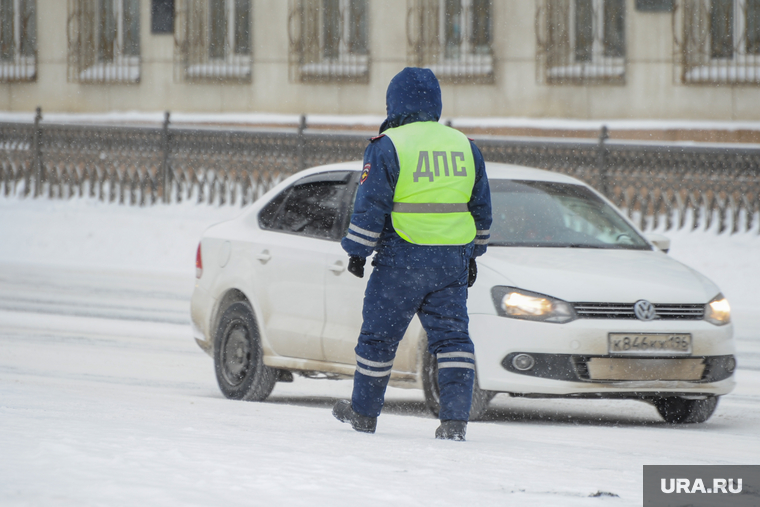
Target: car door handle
337	267
264	256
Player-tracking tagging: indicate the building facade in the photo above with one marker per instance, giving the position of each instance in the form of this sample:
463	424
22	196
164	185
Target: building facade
577	59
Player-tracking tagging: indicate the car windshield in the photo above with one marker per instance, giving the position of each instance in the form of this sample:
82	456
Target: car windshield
550	214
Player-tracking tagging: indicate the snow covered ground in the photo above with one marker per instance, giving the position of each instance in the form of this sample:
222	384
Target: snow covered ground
106	400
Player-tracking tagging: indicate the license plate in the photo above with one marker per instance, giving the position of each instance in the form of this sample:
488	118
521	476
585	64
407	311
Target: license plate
649	343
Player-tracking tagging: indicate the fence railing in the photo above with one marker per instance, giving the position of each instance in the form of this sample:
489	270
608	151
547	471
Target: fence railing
677	184
660	185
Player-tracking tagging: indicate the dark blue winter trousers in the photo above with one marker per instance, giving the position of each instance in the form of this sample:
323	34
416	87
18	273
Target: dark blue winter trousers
393	296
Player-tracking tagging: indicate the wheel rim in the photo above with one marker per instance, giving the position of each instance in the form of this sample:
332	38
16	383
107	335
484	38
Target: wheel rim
236	354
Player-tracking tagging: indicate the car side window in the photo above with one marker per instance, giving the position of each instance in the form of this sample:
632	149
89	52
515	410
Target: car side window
353	186
268	214
314	206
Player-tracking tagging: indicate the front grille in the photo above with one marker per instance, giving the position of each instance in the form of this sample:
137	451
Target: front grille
625	311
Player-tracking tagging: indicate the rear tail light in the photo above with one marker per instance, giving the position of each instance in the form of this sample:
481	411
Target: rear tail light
198	263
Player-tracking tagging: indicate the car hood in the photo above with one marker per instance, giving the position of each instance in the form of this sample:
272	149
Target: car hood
603	276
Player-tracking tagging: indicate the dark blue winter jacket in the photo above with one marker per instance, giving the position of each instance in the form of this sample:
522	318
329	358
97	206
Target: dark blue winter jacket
413	95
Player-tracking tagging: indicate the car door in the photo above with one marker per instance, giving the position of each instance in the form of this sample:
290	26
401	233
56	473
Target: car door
299	227
344	299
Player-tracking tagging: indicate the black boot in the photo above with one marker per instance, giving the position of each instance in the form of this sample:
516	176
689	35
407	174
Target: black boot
451	430
345	413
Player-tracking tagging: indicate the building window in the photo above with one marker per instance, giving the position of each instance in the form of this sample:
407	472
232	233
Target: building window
162	16
719	41
104	41
329	40
581	41
18	40
213	40
453	38
655	5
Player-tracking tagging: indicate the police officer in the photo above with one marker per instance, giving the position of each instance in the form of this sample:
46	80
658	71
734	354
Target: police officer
424	206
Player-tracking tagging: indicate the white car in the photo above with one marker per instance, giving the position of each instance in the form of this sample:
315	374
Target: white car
571	300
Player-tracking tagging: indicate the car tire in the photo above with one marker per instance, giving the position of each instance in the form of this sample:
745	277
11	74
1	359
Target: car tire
238	358
677	410
480	398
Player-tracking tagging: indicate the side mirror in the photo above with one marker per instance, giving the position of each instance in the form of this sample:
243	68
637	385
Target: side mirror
659	241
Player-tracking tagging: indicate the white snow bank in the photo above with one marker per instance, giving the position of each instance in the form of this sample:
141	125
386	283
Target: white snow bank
179	118
374	121
611	123
93	234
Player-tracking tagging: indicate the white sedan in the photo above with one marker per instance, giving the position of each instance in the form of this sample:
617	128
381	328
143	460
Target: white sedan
571	300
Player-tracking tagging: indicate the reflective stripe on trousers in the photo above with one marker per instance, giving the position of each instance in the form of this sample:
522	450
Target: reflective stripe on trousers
456	360
373	368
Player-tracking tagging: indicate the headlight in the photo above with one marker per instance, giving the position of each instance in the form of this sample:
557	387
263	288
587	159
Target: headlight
523	304
718	311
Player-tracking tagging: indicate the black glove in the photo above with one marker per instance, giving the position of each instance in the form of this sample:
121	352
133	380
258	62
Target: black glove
472	273
356	266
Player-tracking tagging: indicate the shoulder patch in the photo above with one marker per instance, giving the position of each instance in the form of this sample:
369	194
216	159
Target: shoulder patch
365	173
373	139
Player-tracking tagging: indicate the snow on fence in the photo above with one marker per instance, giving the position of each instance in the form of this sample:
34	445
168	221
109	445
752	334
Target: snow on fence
663	186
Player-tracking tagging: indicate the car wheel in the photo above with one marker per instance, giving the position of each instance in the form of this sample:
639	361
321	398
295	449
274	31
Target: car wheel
238	359
677	410
480	398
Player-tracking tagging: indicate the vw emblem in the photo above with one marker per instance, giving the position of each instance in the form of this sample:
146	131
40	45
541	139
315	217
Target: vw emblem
644	310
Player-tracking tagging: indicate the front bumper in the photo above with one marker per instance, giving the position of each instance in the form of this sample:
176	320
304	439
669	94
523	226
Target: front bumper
564	351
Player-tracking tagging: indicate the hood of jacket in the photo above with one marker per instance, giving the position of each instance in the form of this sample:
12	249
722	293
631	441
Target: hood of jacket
413	95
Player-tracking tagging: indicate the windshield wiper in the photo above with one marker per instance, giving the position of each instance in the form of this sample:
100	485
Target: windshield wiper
586	245
548	245
568	245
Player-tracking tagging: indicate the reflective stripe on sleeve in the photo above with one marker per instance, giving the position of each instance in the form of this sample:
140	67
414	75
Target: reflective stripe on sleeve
371	373
375	364
455	364
429	207
446	355
481	242
361	241
487	232
363	232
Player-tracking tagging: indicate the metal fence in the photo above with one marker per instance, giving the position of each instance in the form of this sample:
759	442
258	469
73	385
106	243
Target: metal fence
658	185
669	186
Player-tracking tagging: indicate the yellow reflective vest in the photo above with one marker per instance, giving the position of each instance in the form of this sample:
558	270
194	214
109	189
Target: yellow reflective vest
437	173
